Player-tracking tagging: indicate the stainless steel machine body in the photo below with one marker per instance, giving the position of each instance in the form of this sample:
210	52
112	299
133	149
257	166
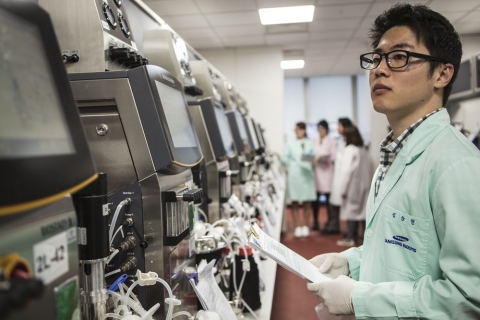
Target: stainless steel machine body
45	239
44	158
168	50
94	35
206	79
127	118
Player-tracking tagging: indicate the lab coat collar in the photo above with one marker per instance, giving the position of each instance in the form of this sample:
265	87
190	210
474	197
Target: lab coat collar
413	148
424	134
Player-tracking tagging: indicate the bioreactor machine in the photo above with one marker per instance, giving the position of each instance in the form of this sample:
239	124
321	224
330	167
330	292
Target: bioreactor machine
227	94
242	145
94	35
139	131
217	146
141	135
216	139
44	157
167	49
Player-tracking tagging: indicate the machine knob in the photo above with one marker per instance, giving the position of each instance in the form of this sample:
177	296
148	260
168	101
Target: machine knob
129	264
16	293
119	53
194	195
193	91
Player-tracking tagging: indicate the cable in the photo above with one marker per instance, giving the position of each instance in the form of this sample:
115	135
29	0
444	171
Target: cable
111	273
116	232
250	309
113	254
183	313
127	201
202	213
111	315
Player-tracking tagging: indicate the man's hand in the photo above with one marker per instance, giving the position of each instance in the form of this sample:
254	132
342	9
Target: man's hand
335	294
334	264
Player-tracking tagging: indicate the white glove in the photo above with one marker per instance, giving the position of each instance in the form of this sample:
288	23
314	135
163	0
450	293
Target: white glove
334	264
335	294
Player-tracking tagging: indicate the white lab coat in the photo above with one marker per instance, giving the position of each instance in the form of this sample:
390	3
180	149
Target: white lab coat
335	196
354	182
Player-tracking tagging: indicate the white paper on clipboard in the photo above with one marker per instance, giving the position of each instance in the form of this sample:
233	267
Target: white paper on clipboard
285	257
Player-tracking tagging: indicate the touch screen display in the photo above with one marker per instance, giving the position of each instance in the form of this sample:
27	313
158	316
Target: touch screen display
32	123
224	131
252	134
242	130
181	129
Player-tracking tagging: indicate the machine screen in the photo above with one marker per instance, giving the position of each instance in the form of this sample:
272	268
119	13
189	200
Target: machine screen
177	117
463	81
224	131
32	123
242	130
253	134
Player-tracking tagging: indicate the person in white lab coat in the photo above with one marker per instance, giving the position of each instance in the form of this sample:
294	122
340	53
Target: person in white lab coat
301	186
354	182
324	148
333	224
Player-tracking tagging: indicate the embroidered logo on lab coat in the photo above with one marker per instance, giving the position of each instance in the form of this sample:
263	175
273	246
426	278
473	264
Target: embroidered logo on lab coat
400	241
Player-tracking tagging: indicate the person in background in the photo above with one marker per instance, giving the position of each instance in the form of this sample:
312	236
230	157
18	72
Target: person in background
419	258
333	224
354	184
300	183
324	152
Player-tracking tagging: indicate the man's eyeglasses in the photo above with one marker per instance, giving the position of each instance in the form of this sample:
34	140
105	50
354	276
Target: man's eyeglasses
395	59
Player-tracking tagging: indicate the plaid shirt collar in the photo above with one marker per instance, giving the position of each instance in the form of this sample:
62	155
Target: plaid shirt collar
389	148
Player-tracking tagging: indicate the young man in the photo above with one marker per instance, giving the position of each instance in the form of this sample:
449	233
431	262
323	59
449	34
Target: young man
420	256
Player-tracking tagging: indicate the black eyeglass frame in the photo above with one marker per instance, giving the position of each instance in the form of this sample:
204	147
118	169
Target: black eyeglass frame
386	54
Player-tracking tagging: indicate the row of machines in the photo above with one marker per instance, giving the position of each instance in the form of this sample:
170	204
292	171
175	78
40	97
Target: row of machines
106	159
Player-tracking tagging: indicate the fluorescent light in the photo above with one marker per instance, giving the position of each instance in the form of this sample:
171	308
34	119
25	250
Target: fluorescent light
292	64
286	15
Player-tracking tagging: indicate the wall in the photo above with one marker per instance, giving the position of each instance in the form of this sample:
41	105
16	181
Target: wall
256	74
294	105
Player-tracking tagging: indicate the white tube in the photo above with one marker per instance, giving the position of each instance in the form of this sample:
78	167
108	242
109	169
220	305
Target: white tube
111	315
203	214
182	313
239	290
170	295
115	216
116	232
250	309
113	272
113	254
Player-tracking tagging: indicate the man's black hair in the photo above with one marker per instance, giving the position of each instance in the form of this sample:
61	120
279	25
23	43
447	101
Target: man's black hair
324	124
432	29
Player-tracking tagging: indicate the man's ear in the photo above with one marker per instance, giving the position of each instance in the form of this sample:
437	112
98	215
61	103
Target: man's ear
444	74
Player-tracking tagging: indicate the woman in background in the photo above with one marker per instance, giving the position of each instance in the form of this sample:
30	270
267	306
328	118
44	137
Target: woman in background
333	224
300	186
354	184
324	148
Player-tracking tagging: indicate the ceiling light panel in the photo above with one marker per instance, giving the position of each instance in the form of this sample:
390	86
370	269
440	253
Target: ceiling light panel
292	64
282	15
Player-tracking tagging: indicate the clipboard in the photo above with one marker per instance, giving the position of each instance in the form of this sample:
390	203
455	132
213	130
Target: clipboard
307	158
285	257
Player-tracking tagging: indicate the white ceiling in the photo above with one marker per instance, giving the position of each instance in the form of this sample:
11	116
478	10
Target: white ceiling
330	44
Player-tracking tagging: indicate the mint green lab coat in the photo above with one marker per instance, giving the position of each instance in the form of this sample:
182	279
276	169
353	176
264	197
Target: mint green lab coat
300	182
421	253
